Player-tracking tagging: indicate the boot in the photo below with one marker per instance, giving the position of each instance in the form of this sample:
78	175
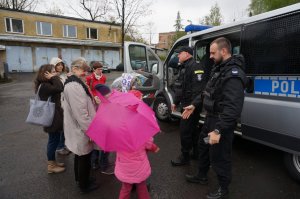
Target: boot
183	159
91	187
60	164
221	193
54	168
196	179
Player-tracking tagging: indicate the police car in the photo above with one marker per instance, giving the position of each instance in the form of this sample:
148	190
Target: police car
270	43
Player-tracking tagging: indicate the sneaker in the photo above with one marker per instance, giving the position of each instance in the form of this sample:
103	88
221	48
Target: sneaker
109	170
63	151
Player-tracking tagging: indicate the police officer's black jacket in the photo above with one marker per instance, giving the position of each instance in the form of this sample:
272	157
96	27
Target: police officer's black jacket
224	92
190	83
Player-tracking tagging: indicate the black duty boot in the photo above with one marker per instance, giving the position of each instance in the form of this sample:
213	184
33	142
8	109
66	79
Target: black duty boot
91	187
220	193
196	179
181	160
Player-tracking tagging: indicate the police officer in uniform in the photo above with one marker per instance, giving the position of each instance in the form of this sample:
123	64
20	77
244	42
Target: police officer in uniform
190	83
223	101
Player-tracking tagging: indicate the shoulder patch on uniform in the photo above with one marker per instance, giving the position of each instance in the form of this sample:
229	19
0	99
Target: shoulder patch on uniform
199	71
234	72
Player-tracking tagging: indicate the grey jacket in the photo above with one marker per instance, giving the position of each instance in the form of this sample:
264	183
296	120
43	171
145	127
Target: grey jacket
79	111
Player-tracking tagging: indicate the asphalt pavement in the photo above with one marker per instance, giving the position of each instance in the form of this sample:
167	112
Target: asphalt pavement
258	171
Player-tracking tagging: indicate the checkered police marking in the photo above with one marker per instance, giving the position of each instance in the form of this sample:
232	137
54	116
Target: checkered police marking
277	86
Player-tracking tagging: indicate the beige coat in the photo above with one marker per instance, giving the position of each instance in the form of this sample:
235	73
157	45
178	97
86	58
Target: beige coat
79	111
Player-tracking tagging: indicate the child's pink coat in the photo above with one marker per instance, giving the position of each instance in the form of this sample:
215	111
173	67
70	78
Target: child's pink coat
134	167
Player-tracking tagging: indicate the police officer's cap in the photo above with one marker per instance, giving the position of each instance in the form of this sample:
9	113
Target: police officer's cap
185	49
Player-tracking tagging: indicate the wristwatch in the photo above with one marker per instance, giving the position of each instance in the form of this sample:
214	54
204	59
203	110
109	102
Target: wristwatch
217	131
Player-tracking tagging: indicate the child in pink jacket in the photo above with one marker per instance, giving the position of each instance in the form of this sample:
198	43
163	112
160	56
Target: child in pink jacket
134	167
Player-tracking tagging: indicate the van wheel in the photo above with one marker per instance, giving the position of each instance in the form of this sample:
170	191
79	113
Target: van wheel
292	163
161	109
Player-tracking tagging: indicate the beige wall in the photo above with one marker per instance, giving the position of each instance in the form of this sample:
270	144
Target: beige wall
106	32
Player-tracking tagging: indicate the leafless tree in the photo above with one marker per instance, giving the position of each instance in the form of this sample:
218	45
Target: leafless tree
95	9
133	10
19	4
128	12
55	10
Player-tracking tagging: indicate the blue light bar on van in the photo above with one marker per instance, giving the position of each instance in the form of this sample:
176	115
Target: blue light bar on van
195	28
277	86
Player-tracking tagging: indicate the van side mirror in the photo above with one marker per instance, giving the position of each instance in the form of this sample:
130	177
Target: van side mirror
154	69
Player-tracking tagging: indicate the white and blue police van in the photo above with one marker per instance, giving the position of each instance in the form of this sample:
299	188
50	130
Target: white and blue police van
270	43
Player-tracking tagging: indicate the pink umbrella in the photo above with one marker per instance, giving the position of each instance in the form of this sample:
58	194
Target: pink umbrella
122	123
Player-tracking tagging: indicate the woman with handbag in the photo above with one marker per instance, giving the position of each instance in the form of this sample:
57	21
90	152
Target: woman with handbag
79	111
48	84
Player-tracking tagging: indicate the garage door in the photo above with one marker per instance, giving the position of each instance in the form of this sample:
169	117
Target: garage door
44	56
112	57
93	55
19	59
70	54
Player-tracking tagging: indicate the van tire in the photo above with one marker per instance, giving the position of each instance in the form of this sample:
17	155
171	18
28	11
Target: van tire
161	109
292	164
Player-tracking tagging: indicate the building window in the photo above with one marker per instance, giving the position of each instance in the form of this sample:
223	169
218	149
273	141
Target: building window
14	25
92	33
70	31
44	28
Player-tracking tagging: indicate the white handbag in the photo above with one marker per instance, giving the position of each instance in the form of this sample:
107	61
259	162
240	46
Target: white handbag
41	112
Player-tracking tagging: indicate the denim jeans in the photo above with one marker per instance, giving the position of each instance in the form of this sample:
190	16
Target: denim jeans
104	159
61	144
103	156
53	142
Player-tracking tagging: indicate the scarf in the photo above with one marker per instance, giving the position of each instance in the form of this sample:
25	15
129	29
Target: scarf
98	76
74	78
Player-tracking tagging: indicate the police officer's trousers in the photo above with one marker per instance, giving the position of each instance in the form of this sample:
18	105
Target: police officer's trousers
218	155
189	133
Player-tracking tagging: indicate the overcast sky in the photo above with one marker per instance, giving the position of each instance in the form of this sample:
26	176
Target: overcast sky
164	12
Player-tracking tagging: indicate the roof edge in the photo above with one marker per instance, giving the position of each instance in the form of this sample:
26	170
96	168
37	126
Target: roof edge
60	16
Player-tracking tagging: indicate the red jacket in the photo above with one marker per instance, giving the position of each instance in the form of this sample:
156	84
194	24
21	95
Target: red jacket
91	81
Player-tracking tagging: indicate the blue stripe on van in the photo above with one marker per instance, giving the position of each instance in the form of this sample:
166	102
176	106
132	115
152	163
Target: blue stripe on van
277	86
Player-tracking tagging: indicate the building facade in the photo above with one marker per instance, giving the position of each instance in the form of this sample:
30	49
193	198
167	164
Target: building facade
165	40
29	40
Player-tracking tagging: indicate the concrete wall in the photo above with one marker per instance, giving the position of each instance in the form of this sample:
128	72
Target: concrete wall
34	46
106	32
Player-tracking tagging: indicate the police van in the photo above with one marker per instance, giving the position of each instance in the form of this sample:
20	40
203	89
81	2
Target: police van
270	43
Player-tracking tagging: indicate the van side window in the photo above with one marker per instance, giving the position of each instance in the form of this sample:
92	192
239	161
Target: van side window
153	62
202	55
138	57
272	47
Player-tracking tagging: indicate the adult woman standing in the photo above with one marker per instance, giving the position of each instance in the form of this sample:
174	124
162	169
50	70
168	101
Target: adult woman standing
61	72
79	110
48	84
97	77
